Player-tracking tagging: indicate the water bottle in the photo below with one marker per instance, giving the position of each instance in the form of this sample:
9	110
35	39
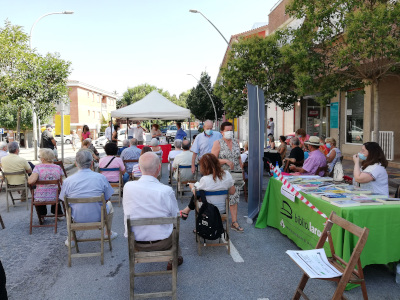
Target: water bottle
276	167
398	273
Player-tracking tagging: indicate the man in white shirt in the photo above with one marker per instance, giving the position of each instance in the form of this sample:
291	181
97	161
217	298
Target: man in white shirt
184	159
109	130
3	149
271	127
149	198
138	133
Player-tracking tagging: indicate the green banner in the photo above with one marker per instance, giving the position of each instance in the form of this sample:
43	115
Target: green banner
303	225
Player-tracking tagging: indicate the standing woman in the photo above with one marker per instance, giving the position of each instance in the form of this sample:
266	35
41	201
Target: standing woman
85	133
334	154
372	173
155	131
227	150
114	137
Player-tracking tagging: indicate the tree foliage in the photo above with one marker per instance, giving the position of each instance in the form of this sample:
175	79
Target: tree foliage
258	61
199	103
28	79
342	43
137	93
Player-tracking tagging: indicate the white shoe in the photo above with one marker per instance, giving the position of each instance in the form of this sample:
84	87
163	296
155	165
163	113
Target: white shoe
72	243
113	235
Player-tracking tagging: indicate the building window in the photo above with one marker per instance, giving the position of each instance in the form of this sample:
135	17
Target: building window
98	115
355	117
98	98
94	114
88	113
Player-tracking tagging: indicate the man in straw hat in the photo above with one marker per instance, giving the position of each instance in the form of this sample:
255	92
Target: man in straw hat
315	159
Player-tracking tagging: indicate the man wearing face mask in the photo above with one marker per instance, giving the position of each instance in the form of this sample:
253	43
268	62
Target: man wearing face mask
227	150
204	142
334	154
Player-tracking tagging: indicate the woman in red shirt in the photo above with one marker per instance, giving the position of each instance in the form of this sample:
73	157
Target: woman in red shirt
85	133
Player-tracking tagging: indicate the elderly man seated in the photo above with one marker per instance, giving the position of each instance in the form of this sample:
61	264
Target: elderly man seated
131	153
15	163
149	198
125	145
315	160
85	184
184	159
3	149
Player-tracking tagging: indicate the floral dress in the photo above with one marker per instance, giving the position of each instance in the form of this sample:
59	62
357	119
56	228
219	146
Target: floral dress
47	172
233	156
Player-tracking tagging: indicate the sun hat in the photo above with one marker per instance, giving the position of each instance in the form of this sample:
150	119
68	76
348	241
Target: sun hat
314	140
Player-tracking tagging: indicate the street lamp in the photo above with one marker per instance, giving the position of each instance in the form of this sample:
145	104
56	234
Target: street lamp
34	116
199	12
215	111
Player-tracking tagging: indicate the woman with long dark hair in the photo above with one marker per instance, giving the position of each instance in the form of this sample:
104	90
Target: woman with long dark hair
372	172
85	133
114	136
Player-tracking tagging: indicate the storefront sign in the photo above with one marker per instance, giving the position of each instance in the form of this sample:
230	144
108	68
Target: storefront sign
334	118
313	113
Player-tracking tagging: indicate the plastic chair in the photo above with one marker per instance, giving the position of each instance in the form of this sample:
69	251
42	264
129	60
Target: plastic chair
349	273
224	217
72	227
41	203
136	256
118	184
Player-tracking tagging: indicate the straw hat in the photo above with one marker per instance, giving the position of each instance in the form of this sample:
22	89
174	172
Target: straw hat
314	140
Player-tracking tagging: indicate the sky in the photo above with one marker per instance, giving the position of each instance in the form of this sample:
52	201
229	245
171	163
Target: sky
118	44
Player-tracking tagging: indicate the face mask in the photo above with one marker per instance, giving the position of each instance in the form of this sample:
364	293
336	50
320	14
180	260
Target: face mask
328	145
208	131
228	135
362	156
299	135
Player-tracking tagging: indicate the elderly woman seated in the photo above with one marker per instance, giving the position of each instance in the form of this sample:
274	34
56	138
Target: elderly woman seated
111	162
214	179
125	144
154	144
136	173
334	154
46	170
86	145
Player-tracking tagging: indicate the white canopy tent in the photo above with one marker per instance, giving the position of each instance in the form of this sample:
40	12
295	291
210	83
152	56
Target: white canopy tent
152	107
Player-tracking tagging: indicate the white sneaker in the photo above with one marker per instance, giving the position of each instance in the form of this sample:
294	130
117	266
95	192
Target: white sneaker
72	243
113	235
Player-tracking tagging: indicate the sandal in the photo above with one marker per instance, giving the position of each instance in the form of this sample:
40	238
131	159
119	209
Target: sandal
184	216
236	228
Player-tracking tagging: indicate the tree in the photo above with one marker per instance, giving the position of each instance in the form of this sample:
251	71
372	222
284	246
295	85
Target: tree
28	79
199	101
342	43
258	61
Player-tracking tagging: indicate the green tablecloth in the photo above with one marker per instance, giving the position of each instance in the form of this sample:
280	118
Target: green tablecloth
302	225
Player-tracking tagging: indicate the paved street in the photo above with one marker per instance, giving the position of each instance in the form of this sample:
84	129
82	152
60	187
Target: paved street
36	265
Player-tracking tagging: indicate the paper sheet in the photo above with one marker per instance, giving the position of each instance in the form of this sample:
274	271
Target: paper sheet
314	263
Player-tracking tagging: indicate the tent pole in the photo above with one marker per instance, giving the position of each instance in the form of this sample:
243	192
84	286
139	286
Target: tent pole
190	132
126	131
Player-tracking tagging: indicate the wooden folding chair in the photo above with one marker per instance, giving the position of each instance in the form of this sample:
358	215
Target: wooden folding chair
61	164
127	161
14	188
72	227
171	173
41	203
136	256
349	273
118	184
181	183
224	217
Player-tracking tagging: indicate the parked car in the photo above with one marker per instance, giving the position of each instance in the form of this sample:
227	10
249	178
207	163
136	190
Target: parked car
191	133
164	129
171	132
100	142
67	139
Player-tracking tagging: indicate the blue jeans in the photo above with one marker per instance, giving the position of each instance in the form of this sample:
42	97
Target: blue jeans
125	178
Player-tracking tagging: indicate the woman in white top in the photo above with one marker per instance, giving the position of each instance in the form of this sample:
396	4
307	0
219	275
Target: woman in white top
214	179
334	154
372	173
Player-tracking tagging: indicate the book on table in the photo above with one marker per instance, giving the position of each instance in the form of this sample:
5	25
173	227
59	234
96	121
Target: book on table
334	196
389	200
377	196
345	203
357	190
358	197
368	202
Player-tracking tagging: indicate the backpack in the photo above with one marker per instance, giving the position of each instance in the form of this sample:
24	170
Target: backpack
338	172
209	223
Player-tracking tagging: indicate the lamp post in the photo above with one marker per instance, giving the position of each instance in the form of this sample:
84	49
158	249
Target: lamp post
199	12
34	116
215	111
